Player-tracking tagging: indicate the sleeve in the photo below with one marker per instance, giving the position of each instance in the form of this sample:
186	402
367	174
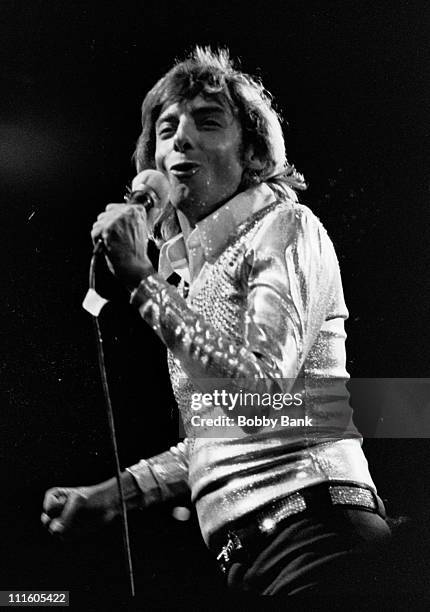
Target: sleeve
286	278
163	477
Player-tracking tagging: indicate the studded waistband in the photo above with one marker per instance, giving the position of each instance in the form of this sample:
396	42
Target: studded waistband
265	522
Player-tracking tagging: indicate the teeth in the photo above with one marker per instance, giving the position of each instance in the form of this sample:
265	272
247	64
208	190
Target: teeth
184	168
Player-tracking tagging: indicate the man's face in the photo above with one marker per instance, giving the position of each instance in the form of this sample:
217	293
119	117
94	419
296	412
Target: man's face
198	145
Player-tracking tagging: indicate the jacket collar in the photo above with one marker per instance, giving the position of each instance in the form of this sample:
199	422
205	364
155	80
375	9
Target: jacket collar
212	234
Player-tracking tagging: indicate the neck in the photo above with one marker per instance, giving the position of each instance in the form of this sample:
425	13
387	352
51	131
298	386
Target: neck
186	226
194	215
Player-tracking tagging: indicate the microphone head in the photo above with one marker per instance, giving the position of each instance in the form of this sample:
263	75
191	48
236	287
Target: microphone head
154	183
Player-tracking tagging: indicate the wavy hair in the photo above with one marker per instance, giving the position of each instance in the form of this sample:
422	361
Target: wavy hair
212	74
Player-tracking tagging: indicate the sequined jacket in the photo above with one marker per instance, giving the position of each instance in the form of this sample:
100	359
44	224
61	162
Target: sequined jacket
264	310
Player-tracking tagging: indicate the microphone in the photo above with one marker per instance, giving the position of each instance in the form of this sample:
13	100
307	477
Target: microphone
149	188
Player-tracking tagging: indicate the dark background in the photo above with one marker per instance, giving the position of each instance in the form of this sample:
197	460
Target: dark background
351	81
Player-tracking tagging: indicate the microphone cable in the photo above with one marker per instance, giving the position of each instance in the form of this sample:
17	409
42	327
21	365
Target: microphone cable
97	251
93	303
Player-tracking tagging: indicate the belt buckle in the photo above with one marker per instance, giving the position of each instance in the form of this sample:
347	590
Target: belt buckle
233	544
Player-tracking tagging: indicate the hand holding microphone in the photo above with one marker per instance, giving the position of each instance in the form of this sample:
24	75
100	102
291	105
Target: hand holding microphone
124	228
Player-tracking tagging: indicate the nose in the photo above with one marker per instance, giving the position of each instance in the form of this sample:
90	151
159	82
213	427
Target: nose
184	137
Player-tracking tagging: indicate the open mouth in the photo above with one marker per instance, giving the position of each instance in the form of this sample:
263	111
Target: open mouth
184	169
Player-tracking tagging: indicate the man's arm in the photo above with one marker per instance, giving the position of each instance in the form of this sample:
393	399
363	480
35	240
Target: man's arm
288	283
290	272
163	477
70	510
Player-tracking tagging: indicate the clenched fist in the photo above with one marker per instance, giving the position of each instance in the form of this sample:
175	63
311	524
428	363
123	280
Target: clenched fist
71	511
124	232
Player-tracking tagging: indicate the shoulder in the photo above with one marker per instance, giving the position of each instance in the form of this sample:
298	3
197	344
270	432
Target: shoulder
289	223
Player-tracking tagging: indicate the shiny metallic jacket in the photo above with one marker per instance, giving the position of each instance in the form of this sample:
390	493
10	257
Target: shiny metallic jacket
264	314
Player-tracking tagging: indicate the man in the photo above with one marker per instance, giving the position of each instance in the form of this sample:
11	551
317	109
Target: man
259	309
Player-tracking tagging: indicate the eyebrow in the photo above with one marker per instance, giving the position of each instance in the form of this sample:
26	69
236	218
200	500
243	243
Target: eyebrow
214	109
196	112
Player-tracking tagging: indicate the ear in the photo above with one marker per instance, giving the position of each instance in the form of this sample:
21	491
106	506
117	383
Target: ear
252	161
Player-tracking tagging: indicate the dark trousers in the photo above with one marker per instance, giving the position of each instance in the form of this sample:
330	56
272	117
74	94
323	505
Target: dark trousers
333	554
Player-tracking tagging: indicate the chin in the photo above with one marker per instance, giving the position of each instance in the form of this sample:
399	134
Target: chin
180	195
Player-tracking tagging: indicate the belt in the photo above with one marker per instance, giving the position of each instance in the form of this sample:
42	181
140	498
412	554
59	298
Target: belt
258	526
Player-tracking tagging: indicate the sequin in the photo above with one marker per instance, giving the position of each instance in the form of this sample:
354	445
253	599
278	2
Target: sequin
268	309
352	496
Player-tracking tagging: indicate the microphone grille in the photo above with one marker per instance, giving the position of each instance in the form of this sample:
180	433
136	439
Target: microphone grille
155	181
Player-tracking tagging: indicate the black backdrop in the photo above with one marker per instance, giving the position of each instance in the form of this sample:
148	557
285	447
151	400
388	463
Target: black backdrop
350	78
